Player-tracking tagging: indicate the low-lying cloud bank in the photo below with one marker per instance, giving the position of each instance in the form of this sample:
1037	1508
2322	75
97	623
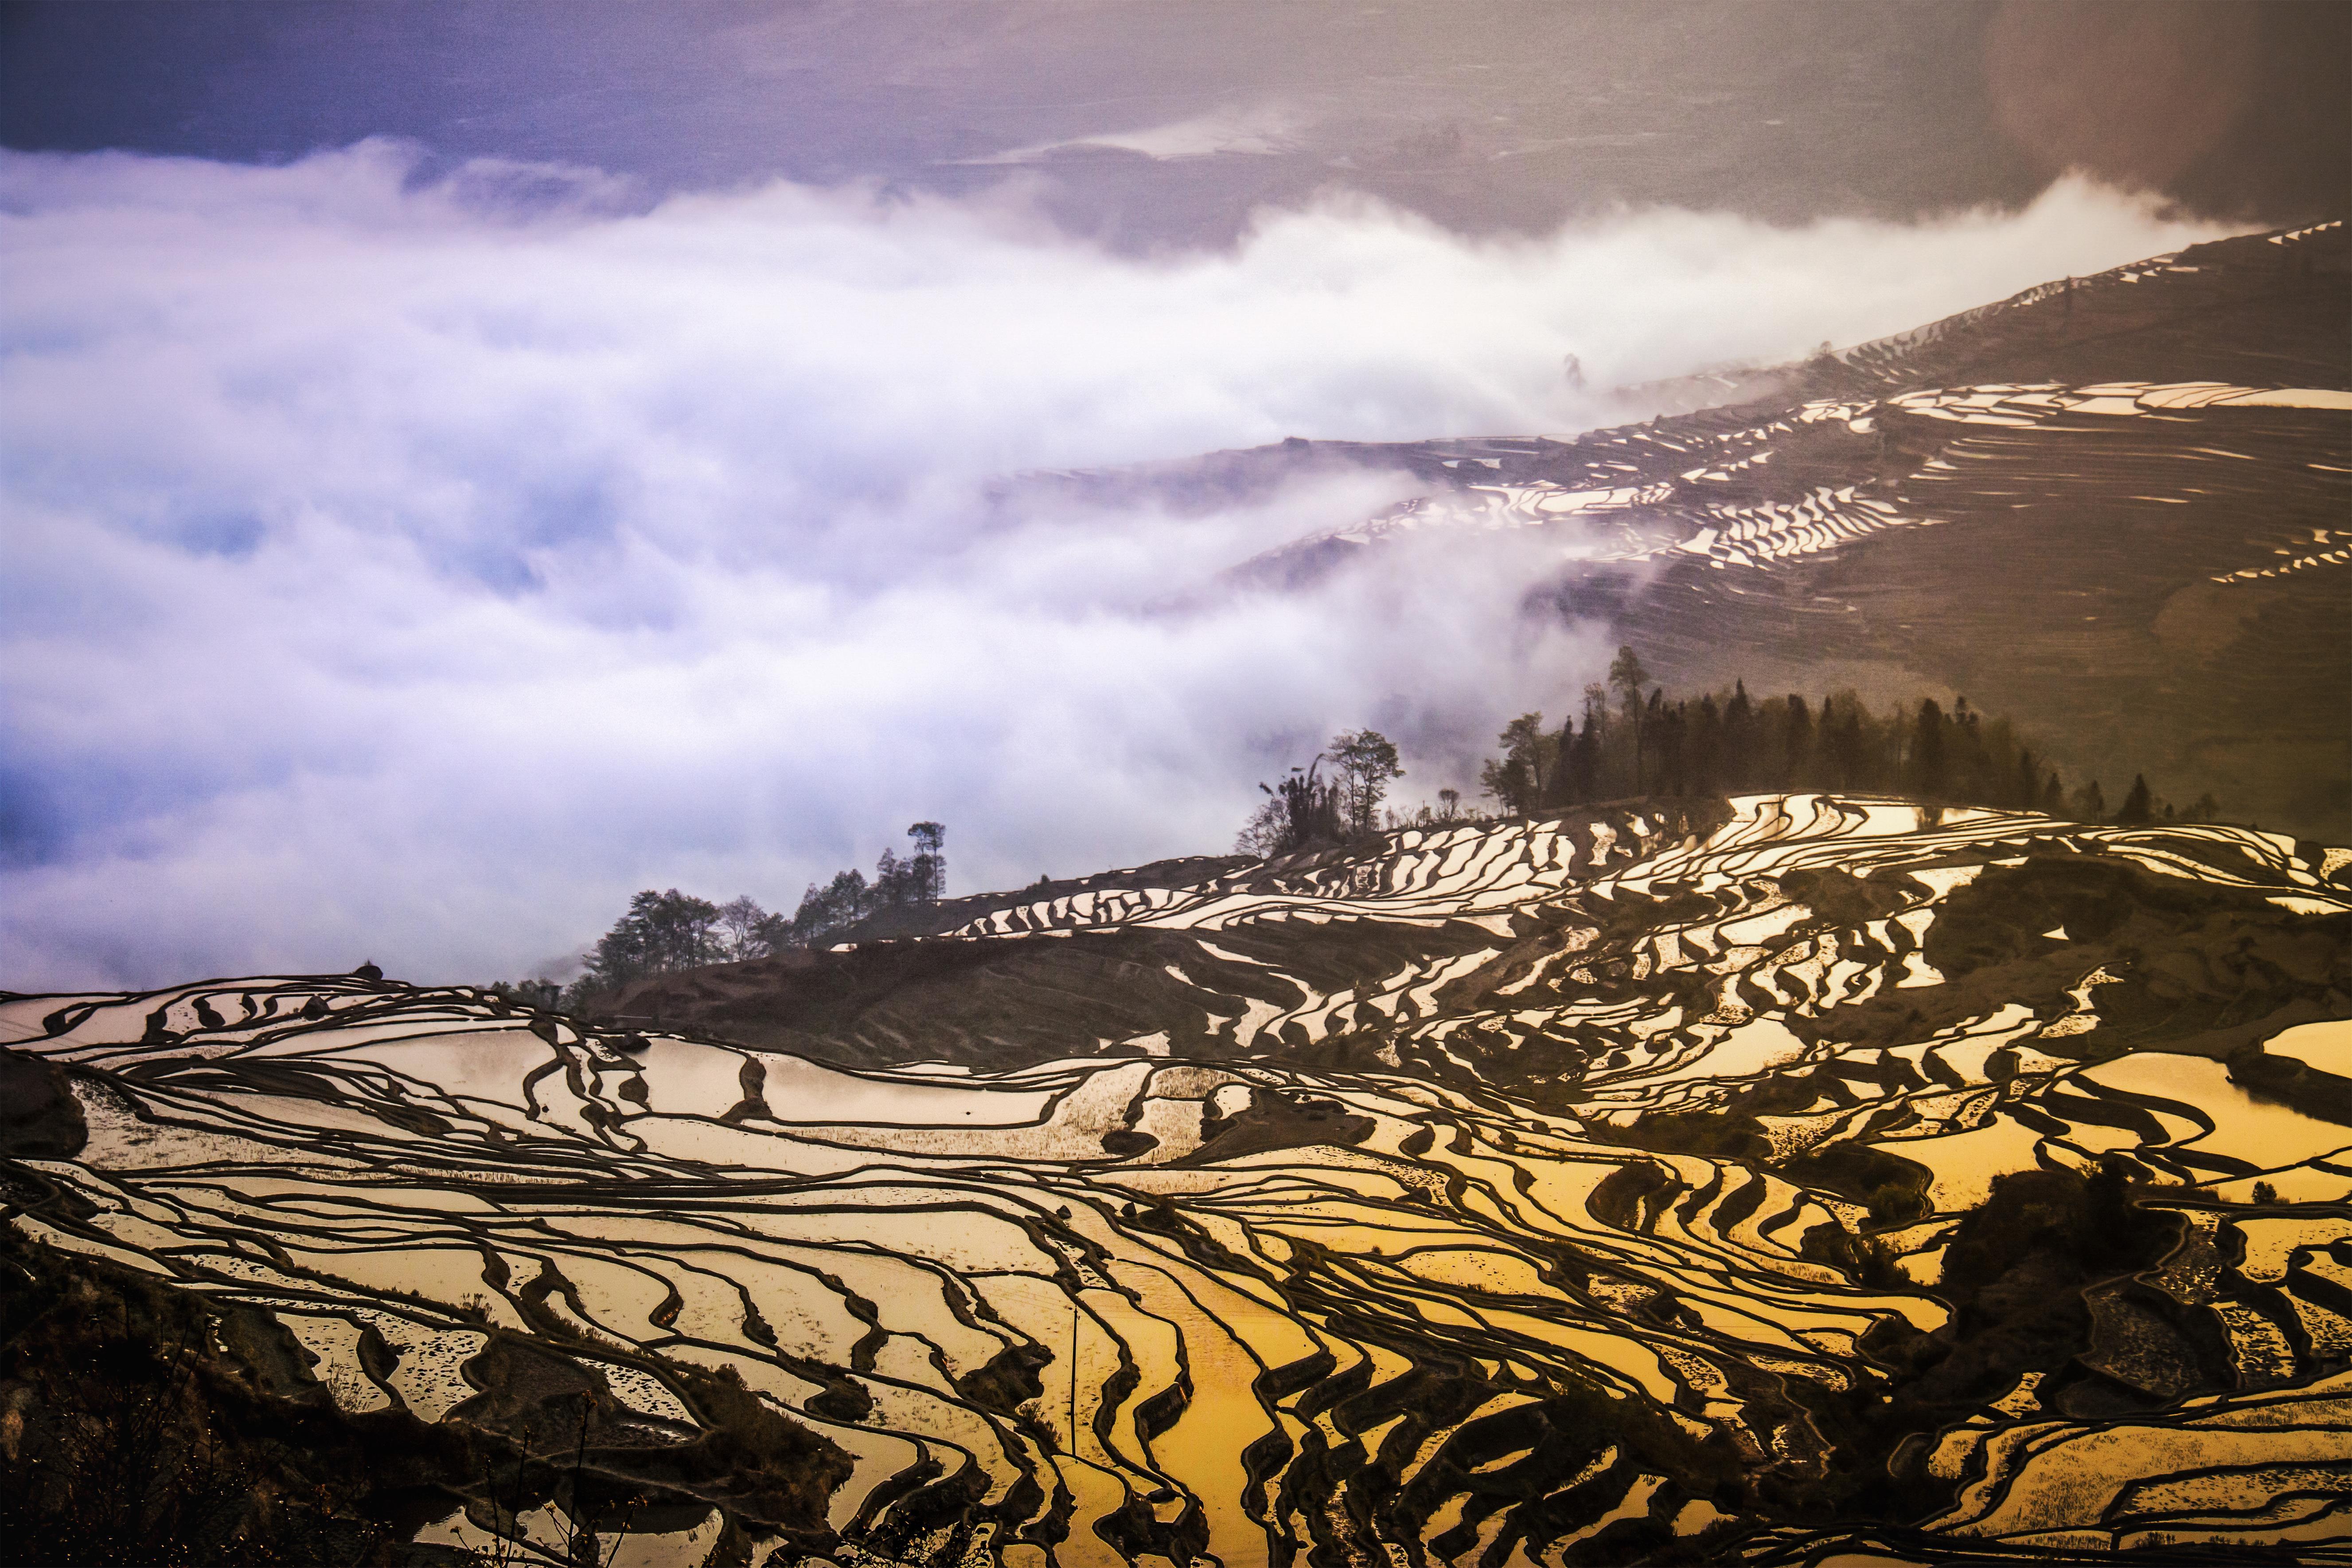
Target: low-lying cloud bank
411	569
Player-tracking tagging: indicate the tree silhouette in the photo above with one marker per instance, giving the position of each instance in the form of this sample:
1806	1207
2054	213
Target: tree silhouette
1626	678
662	933
1927	768
2135	810
1796	744
1365	761
1584	762
930	859
1724	742
1560	781
1509	783
1735	752
1299	812
1522	741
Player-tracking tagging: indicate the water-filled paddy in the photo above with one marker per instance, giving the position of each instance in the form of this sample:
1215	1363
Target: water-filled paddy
1476	1223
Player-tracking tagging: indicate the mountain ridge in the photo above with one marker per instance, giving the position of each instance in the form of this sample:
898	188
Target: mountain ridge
2106	503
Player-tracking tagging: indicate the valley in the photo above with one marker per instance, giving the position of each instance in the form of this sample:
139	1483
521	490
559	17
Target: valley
1658	1179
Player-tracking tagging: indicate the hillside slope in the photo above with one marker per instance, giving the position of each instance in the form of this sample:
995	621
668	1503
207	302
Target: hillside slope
1350	1209
2113	508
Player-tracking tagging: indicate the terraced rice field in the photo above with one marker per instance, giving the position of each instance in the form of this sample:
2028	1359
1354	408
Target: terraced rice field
2113	508
1352	1206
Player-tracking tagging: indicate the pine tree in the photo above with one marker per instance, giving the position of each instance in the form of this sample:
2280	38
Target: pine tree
930	860
1560	787
1591	742
1848	749
1626	678
1735	755
1796	744
1674	728
2135	810
1928	772
1705	754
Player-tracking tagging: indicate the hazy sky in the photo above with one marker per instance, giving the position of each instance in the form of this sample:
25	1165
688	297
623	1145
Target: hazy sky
1165	121
468	463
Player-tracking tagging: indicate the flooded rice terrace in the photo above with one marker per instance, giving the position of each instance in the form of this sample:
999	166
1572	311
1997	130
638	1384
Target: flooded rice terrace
1812	1176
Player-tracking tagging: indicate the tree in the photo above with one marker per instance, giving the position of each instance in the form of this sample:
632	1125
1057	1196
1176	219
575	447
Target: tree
1626	678
916	878
1584	765
2135	810
1300	811
1703	750
1523	741
1509	783
930	860
1846	742
1365	761
1733	757
1560	779
662	934
679	928
773	935
1927	767
2089	804
1796	744
2053	797
1449	803
822	911
1261	835
742	930
1670	727
544	994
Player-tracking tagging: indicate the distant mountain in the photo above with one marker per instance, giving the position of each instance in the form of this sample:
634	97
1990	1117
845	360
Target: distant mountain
2116	507
1750	1181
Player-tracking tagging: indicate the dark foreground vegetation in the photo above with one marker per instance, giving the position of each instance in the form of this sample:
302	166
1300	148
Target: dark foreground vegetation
141	1424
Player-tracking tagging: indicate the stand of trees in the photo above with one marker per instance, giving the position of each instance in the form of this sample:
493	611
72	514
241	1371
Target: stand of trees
1307	809
1633	739
666	931
918	878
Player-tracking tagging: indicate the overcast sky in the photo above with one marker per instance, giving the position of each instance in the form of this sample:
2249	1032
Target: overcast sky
468	463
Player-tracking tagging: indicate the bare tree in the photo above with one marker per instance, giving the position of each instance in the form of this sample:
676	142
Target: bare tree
741	923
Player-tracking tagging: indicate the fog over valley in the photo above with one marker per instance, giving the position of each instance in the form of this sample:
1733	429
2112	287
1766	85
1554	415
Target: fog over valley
411	562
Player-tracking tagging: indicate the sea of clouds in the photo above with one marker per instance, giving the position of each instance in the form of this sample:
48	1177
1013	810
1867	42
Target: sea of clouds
410	565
